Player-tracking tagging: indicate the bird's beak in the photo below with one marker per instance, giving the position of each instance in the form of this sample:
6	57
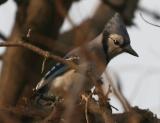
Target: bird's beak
130	50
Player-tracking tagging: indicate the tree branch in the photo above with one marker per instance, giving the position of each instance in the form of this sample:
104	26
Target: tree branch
39	51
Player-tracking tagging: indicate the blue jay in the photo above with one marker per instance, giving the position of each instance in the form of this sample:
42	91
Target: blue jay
113	41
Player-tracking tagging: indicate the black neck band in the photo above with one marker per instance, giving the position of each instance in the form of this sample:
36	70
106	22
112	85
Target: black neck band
105	45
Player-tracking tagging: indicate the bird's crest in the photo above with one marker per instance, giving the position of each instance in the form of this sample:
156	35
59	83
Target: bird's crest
116	26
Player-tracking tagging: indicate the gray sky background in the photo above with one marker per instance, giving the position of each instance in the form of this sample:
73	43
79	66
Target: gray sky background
140	76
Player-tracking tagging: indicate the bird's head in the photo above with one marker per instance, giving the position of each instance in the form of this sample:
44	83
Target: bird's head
116	39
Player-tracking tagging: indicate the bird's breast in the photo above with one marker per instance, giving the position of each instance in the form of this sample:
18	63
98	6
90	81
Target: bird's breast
64	80
67	82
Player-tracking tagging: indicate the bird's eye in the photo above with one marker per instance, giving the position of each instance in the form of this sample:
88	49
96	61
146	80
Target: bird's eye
116	42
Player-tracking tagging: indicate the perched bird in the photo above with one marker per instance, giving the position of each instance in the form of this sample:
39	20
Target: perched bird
92	56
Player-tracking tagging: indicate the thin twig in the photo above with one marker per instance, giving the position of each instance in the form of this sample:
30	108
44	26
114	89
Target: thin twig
86	111
145	10
85	98
43	64
38	51
148	21
118	94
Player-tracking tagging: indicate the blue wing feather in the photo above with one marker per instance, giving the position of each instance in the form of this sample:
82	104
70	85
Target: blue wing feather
54	70
57	70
